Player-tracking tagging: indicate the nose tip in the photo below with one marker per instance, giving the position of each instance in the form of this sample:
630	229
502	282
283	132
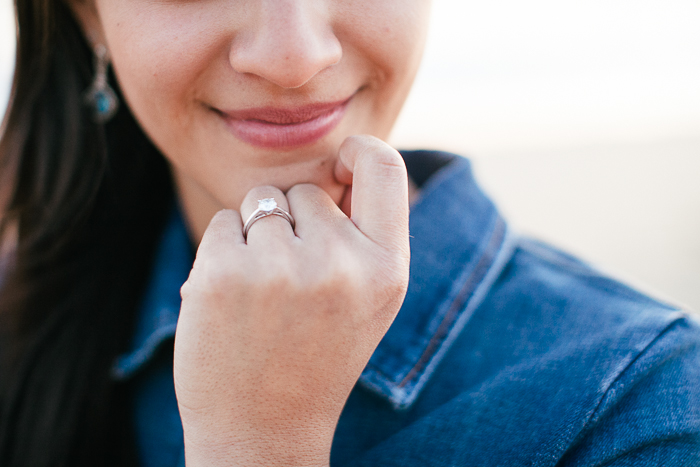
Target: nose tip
287	50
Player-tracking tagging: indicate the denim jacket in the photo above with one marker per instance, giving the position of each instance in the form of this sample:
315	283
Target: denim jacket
506	352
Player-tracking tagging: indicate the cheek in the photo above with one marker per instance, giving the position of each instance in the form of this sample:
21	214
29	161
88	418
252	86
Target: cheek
390	34
159	54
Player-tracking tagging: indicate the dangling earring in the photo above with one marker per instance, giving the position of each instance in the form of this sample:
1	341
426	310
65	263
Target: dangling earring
100	97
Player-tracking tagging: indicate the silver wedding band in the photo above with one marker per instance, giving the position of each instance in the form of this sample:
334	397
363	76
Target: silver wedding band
266	207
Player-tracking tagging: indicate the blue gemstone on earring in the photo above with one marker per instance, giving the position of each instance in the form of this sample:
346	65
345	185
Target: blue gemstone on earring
102	103
100	98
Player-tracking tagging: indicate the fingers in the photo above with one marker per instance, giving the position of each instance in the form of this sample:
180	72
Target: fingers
377	199
269	228
316	214
225	228
379	189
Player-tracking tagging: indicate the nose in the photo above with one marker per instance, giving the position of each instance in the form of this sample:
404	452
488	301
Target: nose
288	44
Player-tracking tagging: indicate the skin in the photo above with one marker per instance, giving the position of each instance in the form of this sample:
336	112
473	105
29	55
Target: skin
274	331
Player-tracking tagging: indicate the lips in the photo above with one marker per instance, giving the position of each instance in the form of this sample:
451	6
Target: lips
271	127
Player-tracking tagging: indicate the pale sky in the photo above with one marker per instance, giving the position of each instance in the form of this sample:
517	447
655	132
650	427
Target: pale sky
512	74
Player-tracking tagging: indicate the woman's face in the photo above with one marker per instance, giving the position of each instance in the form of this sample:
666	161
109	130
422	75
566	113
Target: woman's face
240	93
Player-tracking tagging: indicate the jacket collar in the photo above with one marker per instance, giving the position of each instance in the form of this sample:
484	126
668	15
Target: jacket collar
459	245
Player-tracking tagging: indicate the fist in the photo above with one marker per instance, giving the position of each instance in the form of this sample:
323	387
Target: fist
276	328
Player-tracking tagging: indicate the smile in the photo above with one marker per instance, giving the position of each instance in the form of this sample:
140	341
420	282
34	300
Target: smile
270	127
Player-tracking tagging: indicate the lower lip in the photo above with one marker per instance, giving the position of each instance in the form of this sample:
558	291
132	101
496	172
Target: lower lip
272	135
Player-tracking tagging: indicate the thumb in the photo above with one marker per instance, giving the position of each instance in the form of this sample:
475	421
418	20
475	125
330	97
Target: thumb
379	189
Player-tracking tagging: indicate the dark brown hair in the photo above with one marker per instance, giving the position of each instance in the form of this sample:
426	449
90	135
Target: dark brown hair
86	203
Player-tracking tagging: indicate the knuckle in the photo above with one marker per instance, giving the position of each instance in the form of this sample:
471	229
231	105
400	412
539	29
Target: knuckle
385	154
345	275
376	156
334	269
222	216
374	148
220	223
186	290
303	189
244	267
390	162
282	277
212	280
359	142
393	274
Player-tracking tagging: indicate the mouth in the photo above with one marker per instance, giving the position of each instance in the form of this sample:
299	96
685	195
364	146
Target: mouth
271	127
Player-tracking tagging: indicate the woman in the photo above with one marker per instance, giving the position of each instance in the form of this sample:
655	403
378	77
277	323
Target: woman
235	138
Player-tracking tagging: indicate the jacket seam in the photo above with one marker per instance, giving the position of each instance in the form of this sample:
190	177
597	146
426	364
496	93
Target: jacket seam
589	421
462	298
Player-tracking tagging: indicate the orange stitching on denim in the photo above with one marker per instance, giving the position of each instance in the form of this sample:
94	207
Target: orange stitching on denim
470	285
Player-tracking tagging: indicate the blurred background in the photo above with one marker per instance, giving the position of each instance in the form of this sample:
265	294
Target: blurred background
582	119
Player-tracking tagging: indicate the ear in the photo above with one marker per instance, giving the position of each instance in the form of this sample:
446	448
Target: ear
88	18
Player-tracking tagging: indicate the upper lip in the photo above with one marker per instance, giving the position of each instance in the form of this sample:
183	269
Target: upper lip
285	116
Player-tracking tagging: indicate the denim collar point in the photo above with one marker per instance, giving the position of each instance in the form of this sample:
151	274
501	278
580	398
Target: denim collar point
450	276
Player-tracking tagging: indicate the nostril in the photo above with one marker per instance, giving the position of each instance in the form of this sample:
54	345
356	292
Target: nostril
288	55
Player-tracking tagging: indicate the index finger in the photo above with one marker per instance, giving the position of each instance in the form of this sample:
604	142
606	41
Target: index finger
224	231
379	189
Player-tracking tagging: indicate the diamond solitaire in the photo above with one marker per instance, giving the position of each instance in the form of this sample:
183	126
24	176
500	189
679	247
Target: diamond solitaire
266	207
267	204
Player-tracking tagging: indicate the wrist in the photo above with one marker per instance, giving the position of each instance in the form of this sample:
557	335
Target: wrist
280	447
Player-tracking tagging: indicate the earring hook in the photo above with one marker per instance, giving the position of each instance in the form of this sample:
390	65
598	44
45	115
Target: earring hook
100	97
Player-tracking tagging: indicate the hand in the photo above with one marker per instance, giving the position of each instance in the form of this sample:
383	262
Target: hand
274	333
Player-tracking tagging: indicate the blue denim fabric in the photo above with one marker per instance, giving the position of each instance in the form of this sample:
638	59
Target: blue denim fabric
506	352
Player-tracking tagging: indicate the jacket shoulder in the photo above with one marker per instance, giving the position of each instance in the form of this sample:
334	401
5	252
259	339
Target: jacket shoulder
560	365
